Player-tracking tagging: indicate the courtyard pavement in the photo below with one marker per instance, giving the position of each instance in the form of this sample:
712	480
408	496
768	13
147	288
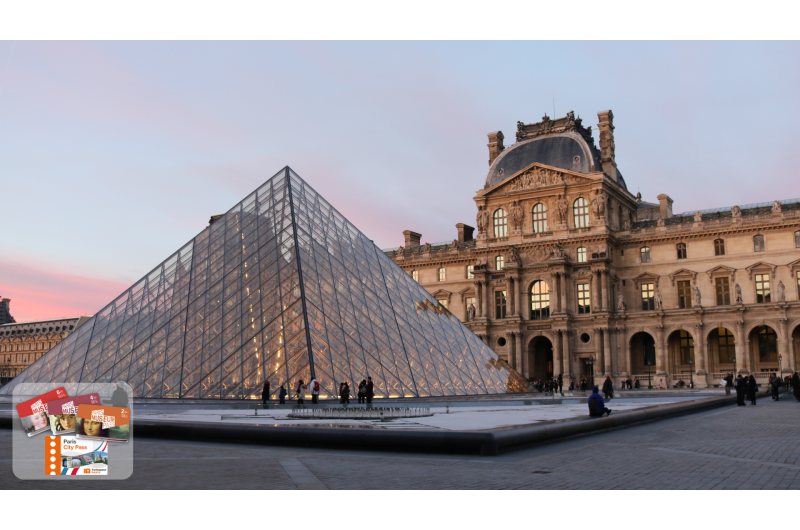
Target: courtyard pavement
729	448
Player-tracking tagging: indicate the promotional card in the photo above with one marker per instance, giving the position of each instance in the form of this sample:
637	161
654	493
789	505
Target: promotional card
33	413
63	412
66	455
100	422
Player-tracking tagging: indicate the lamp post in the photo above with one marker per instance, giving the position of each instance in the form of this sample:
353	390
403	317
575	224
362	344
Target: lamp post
649	363
780	365
590	362
691	371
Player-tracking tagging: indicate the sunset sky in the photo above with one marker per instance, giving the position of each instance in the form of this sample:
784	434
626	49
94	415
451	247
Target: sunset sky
114	154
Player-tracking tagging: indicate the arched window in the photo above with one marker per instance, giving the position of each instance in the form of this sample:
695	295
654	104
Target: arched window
540	300
687	348
645	253
580	211
759	245
681	248
500	223
540	218
767	344
499	263
581	254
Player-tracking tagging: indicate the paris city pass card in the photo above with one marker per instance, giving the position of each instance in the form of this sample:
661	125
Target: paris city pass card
67	455
63	412
100	422
33	413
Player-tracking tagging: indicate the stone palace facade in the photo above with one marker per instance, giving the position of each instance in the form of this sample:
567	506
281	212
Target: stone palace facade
569	273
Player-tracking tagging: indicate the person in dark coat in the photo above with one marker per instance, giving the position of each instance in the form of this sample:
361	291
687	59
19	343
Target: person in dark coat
265	392
362	388
282	395
345	393
752	388
369	391
776	385
728	384
597	407
636	383
796	386
740	386
119	398
608	388
560	385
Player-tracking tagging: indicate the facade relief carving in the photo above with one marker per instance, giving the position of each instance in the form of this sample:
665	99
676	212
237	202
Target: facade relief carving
599	205
569	123
776	207
541	253
560	210
482	219
516	215
736	212
539	177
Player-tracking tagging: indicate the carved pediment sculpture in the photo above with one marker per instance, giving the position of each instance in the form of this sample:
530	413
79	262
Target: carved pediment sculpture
539	177
776	207
541	253
736	211
698	217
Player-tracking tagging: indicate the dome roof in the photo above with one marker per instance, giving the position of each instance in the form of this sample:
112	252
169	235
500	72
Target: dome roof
562	143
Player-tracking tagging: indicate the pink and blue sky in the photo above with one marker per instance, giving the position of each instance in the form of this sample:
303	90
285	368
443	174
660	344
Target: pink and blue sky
114	154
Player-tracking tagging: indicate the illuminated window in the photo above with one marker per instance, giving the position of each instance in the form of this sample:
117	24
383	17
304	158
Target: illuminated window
498	263
500	304
442	275
762	288
687	348
727	350
540	218
582	255
645	253
681	247
540	300
470	271
685	294
648	297
767	344
583	299
719	247
500	223
443	302
759	245
723	288
415	276
580	211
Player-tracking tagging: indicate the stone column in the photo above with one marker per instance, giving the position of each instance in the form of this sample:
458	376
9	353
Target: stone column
518	297
738	347
555	296
745	363
563	293
701	360
567	358
487	289
557	365
609	355
599	353
661	352
783	344
512	358
478	299
521	361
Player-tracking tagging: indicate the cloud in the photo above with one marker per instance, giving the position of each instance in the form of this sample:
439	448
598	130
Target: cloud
38	294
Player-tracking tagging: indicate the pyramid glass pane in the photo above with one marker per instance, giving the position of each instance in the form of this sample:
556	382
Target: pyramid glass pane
281	288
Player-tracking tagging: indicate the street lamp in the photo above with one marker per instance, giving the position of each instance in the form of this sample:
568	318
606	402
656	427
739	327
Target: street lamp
590	362
780	366
691	371
649	363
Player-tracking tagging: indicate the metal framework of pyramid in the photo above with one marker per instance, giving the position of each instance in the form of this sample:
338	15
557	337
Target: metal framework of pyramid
281	287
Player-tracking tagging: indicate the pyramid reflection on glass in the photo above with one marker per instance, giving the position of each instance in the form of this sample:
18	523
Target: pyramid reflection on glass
281	285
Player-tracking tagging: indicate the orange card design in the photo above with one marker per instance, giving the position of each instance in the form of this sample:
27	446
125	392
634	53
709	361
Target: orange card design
66	455
100	422
63	412
33	413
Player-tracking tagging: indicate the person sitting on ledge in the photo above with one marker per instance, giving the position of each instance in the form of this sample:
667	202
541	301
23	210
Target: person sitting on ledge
597	407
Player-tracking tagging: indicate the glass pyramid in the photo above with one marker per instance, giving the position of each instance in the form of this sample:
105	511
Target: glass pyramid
281	287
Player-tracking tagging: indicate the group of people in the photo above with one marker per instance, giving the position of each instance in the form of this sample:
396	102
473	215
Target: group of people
747	387
366	391
550	385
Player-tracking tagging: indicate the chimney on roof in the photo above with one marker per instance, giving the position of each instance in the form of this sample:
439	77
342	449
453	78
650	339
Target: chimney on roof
464	232
665	206
412	238
495	145
606	128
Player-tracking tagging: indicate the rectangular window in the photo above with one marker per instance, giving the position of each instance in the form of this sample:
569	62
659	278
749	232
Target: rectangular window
648	297
470	271
723	288
583	299
681	247
467	303
797	239
685	294
759	244
582	255
442	275
500	304
719	247
727	350
645	252
443	302
499	263
415	276
762	288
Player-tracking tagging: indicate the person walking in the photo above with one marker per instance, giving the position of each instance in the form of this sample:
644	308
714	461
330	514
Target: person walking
369	391
560	385
728	383
636	383
301	392
597	407
608	388
282	395
775	383
362	388
752	388
346	393
740	386
796	386
314	385
265	393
